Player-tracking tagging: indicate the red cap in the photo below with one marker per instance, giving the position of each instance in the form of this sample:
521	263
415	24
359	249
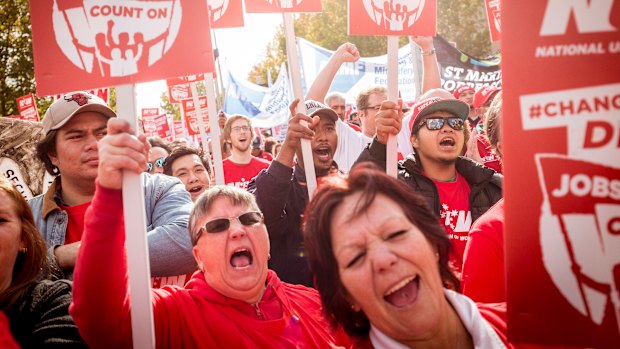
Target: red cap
483	95
433	104
457	91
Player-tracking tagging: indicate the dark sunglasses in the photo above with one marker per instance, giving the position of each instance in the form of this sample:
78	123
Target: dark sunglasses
219	225
435	124
158	162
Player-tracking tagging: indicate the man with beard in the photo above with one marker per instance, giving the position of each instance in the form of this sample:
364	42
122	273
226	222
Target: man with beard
457	188
282	193
240	167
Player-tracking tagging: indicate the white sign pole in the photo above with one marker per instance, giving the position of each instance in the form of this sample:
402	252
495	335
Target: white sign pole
143	330
215	131
416	68
201	124
392	44
291	52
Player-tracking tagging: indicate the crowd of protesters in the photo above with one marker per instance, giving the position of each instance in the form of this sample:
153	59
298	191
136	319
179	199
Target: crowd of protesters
369	261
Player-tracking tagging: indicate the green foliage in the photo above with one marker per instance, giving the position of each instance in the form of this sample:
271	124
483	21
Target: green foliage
460	21
173	109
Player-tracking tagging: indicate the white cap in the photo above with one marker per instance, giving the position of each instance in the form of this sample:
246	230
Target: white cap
70	104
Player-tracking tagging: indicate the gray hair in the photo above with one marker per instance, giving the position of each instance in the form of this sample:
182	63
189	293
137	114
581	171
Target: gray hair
335	95
237	196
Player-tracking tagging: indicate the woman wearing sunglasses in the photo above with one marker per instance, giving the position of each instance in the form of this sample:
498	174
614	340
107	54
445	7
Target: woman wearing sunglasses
457	189
233	301
380	261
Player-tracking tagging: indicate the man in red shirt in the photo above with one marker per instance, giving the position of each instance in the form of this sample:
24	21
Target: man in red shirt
457	189
240	167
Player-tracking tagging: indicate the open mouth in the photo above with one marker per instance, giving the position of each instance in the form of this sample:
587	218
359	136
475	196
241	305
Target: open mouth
196	189
447	142
403	293
241	258
323	153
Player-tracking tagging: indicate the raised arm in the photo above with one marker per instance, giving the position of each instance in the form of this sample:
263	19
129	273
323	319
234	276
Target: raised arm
347	52
100	304
430	67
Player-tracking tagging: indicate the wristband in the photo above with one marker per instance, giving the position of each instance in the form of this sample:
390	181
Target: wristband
431	52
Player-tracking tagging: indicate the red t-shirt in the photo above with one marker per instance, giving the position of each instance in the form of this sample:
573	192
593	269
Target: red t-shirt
240	175
265	156
455	216
75	224
483	262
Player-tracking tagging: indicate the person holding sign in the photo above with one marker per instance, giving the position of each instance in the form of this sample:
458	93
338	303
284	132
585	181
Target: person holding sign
281	190
234	301
380	261
456	188
38	310
73	126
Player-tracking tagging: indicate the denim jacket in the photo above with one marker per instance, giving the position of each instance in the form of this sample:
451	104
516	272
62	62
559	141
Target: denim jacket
168	206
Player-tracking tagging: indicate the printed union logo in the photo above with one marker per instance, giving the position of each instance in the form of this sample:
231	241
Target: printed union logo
581	242
217	8
394	15
285	3
113	38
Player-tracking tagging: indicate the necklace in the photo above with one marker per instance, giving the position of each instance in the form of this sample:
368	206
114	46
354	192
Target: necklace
449	180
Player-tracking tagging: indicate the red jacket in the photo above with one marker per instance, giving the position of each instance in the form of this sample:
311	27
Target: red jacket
195	316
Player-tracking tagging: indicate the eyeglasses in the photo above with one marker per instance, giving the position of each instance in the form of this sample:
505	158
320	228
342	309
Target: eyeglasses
219	225
237	129
374	107
158	162
435	124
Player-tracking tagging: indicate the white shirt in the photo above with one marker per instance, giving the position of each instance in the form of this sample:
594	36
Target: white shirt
482	334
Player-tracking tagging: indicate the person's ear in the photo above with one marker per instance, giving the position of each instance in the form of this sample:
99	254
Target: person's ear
414	141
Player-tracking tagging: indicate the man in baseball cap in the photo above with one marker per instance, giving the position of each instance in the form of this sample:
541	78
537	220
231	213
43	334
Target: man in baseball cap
281	190
73	126
482	100
457	188
465	93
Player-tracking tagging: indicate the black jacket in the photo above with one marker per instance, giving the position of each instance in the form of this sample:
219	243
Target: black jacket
282	196
41	318
485	184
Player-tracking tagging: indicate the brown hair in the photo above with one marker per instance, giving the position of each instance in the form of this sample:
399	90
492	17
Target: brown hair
182	150
228	126
44	147
361	101
29	265
492	122
368	180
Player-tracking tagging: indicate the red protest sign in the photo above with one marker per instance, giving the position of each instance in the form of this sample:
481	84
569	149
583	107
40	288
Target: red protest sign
493	18
150	112
178	129
108	43
225	13
27	107
103	93
177	93
392	17
156	125
189	114
279	6
562	165
184	80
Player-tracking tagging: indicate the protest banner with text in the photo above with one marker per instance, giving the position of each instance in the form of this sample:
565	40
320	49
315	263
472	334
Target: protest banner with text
561	124
380	17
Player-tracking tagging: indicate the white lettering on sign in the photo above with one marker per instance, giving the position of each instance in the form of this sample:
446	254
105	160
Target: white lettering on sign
591	16
583	185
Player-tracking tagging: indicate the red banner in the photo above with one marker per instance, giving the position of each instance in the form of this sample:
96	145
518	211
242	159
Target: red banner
562	168
493	18
392	17
189	114
279	6
178	128
225	13
108	43
27	107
